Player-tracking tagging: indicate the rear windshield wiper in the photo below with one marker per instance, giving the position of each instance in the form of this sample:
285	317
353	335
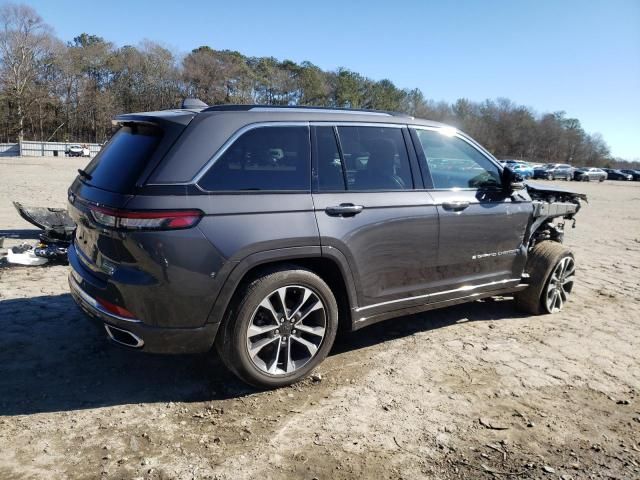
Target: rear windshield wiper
84	174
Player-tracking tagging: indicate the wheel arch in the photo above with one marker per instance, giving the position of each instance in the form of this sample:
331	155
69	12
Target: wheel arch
330	267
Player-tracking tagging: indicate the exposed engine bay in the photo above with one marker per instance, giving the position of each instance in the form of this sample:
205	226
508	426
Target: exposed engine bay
551	207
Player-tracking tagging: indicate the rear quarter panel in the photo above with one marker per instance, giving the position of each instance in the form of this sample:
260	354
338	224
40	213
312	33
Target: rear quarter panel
244	230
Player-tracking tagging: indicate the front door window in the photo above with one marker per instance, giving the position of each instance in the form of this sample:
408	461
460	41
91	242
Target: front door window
453	163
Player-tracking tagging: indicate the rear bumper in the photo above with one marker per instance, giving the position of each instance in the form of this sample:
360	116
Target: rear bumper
137	335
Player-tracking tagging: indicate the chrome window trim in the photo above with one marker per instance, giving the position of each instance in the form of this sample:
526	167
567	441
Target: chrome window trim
252	126
330	123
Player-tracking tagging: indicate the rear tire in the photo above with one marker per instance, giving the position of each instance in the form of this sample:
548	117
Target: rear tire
551	269
279	327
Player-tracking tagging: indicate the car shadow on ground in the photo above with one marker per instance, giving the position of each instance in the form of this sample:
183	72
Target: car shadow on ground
499	308
52	358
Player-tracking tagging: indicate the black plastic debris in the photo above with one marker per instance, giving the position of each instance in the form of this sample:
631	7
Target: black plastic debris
56	222
57	226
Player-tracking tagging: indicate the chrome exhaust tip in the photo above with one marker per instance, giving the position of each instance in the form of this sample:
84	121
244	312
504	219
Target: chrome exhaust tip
123	337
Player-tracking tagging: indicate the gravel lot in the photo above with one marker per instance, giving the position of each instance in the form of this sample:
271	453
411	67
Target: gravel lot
473	391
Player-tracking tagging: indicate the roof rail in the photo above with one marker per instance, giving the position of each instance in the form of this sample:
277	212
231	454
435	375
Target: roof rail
228	108
193	103
320	110
301	108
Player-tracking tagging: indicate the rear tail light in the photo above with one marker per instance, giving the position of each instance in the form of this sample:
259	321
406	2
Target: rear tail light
145	220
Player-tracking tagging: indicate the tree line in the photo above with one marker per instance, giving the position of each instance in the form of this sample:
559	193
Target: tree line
52	90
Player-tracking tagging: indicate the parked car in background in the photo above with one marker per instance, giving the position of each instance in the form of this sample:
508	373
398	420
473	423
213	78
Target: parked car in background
553	171
635	174
613	174
521	168
588	174
77	151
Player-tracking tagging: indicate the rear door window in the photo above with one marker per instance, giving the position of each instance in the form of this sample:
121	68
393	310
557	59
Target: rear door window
330	175
265	158
119	164
375	158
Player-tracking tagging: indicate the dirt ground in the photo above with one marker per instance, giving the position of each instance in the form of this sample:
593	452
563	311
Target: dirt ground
472	391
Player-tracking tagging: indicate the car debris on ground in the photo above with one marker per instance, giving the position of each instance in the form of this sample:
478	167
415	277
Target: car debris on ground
54	241
24	255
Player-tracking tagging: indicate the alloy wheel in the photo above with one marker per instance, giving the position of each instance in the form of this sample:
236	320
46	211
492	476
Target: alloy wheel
286	330
560	285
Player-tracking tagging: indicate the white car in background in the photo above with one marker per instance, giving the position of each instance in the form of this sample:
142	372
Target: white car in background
77	151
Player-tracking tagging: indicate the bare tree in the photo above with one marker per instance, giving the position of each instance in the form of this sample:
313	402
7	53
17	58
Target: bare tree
46	85
25	44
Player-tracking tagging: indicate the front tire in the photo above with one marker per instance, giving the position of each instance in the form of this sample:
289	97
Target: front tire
551	268
280	326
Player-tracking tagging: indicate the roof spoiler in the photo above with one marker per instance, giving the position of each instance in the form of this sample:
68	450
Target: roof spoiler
193	103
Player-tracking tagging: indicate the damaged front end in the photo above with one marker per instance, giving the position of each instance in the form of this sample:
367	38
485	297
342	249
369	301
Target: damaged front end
551	207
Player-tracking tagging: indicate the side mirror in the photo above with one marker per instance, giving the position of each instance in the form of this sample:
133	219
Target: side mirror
511	180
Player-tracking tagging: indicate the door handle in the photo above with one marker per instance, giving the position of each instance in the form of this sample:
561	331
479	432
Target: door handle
344	210
455	206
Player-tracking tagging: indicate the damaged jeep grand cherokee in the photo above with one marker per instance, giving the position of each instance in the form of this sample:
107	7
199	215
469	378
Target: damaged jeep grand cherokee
261	230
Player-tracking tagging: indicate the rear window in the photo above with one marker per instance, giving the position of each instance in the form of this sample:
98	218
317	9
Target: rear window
119	164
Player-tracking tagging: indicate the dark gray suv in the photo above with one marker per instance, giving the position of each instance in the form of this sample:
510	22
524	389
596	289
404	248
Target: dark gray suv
263	229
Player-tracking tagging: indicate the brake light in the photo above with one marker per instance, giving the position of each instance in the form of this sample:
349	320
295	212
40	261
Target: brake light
145	220
113	308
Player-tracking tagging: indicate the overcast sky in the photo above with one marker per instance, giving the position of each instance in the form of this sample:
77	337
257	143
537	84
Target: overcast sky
579	56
